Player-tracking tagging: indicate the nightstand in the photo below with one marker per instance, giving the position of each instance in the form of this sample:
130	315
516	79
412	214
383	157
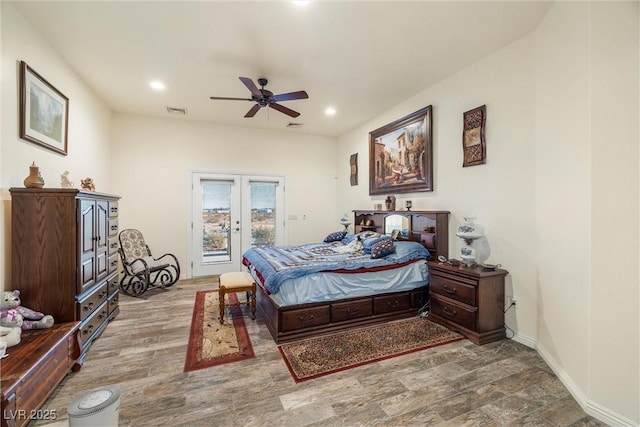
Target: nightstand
469	300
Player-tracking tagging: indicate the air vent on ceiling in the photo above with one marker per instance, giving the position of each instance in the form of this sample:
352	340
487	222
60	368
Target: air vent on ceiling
178	111
294	125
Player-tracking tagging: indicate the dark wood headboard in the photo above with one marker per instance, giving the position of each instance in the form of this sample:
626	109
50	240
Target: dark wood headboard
431	228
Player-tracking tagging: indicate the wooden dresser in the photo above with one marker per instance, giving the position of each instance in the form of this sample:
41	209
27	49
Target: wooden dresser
469	300
64	258
32	371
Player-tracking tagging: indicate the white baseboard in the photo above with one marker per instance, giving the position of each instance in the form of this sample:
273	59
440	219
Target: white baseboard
595	410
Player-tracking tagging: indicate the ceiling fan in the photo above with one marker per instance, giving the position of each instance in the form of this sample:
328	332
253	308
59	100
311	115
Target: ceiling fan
265	98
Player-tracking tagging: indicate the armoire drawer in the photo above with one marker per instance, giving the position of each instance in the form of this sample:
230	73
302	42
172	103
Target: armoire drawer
113	245
93	323
112	284
113	302
89	303
113	227
349	310
113	263
305	318
113	208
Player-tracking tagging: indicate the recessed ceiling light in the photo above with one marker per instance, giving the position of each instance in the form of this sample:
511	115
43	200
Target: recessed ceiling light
301	3
330	111
157	85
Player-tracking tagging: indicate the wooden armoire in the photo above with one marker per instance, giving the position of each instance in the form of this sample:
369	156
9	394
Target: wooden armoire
64	256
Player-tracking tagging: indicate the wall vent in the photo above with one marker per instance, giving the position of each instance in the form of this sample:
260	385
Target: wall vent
178	111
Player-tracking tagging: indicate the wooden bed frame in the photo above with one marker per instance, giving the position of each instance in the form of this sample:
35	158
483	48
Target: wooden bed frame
286	323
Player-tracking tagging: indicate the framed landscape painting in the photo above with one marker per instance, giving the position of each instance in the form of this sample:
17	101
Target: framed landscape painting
401	155
44	111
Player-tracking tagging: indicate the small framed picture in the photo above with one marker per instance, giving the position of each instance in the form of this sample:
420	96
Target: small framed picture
473	145
44	111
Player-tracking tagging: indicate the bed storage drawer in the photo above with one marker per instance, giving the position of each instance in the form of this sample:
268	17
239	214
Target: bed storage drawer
454	289
391	303
464	316
349	310
305	318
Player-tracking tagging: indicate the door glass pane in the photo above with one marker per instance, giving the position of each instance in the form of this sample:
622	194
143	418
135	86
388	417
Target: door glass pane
216	221
263	214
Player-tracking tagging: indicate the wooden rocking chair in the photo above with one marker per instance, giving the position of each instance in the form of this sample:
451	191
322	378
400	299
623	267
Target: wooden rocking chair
140	269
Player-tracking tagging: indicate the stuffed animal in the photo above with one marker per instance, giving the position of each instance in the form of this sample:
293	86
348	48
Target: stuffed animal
10	336
12	314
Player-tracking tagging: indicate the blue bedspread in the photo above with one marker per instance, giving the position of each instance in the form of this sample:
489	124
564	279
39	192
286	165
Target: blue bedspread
280	263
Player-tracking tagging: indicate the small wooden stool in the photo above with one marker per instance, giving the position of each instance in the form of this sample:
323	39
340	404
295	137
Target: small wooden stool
237	282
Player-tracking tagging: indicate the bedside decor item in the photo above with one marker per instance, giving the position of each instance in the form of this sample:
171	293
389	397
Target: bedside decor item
353	163
44	111
34	180
469	231
473	145
87	184
64	180
401	155
346	222
390	203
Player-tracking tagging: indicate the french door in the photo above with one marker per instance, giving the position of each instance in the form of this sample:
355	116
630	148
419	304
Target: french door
232	213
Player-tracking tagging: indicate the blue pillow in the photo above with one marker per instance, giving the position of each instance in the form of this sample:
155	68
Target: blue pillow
348	238
334	237
383	248
367	244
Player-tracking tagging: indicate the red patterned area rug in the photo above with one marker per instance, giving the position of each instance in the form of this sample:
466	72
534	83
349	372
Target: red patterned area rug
327	354
210	343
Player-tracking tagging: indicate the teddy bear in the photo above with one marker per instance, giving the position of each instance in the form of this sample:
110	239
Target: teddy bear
10	336
12	314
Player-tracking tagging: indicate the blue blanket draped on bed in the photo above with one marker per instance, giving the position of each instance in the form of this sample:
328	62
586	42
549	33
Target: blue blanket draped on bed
280	263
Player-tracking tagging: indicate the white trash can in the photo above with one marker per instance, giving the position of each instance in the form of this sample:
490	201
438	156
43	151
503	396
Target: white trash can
96	408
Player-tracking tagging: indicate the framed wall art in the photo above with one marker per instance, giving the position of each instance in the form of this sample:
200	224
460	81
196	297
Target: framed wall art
353	164
473	145
44	111
401	155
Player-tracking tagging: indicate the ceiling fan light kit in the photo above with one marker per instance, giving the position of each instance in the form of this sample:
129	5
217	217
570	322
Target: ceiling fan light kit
265	98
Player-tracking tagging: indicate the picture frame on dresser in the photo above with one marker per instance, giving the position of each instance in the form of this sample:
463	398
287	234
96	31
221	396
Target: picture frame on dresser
44	111
401	155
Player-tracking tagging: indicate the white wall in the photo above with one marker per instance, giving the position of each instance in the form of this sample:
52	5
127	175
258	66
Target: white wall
89	124
587	164
500	193
559	193
153	160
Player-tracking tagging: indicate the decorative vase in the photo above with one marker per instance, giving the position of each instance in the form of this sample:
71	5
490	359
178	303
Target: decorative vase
469	231
34	180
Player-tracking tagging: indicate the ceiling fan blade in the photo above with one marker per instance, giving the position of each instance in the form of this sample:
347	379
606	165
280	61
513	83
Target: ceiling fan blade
285	110
230	99
252	112
301	94
251	86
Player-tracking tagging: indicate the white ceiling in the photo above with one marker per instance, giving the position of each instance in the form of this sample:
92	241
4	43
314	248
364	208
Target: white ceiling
361	57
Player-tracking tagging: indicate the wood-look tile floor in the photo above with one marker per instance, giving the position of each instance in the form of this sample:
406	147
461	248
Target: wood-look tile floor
143	352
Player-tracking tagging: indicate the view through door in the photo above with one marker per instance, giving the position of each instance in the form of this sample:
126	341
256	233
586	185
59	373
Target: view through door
232	213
